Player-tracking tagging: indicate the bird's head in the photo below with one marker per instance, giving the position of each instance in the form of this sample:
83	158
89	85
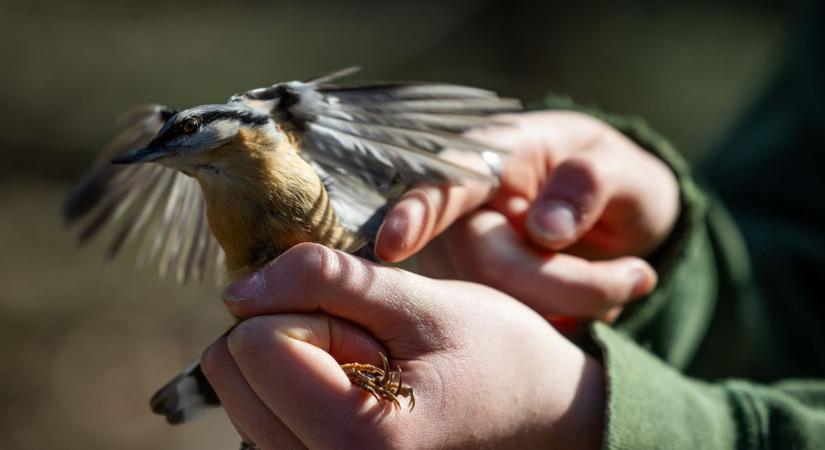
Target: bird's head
208	138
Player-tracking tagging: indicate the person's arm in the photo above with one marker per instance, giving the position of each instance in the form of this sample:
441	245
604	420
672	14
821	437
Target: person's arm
768	172
706	318
277	362
517	384
705	286
652	405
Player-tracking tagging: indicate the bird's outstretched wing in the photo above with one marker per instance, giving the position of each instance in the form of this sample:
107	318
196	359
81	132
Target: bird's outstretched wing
367	142
370	141
164	206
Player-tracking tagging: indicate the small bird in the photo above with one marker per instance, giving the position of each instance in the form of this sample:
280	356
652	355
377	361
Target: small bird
298	161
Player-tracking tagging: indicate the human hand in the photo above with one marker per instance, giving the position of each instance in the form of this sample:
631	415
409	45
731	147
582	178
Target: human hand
571	183
487	371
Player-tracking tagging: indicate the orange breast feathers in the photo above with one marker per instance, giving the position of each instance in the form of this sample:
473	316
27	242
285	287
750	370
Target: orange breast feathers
272	201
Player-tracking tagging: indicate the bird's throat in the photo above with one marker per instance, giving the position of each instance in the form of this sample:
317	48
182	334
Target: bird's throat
265	199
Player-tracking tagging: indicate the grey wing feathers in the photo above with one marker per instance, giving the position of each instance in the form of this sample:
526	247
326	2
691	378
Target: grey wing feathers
379	135
359	207
386	129
166	206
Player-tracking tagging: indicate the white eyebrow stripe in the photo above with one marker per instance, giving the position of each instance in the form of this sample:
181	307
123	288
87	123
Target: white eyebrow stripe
224	128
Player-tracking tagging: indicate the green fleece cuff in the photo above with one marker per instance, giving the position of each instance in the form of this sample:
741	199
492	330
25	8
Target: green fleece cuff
651	405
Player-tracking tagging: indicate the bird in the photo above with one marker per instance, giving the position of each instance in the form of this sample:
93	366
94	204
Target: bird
226	188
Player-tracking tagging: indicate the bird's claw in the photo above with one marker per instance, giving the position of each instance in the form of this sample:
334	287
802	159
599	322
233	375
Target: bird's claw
382	383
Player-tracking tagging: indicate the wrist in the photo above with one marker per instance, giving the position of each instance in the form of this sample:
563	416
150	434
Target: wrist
582	426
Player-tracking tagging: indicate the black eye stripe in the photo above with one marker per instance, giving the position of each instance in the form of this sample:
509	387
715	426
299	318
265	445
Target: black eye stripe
245	117
176	130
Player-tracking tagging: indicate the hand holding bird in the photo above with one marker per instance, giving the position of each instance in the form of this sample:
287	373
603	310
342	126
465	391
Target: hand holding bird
487	371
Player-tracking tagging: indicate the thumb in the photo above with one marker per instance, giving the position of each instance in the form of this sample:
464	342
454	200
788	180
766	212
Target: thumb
568	204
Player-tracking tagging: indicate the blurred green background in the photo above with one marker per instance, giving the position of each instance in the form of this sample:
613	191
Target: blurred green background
84	344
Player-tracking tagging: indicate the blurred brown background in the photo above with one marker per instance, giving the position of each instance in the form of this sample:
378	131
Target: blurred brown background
84	344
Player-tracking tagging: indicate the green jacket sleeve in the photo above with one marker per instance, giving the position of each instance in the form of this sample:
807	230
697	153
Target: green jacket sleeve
705	282
652	405
729	350
707	319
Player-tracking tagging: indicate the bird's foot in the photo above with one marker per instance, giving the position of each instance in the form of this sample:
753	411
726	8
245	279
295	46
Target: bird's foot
384	384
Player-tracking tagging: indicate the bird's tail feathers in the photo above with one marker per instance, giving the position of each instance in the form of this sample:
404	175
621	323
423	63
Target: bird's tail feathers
188	397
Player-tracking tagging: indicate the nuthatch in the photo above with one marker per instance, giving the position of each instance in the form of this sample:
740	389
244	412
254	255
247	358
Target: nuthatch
300	161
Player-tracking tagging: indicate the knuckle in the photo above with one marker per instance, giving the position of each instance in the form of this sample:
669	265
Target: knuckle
602	293
581	182
585	173
318	264
250	337
597	292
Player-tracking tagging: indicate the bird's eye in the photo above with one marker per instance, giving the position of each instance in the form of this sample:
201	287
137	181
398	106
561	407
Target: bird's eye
189	125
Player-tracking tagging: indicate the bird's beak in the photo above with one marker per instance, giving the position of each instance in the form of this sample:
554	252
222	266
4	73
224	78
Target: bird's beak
143	155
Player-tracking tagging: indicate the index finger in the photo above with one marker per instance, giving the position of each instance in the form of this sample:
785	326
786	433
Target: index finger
422	214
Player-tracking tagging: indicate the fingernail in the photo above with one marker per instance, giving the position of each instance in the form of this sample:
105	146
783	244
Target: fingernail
245	289
386	242
553	221
400	231
644	282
